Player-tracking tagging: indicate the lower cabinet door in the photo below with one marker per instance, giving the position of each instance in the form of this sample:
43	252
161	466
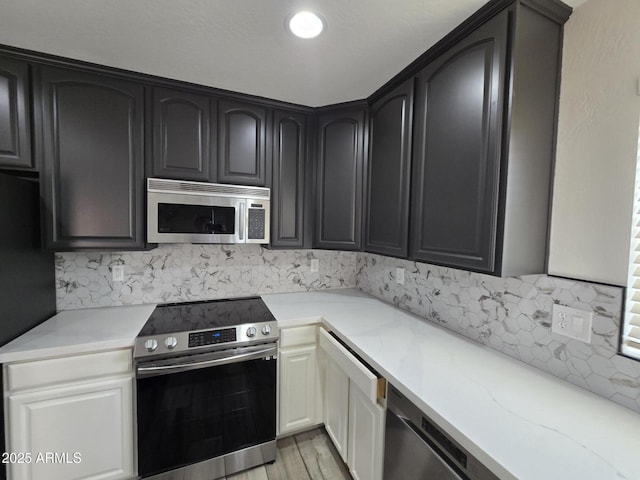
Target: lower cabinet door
336	406
82	431
298	389
366	436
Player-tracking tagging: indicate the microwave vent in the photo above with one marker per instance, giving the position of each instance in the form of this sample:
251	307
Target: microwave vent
201	188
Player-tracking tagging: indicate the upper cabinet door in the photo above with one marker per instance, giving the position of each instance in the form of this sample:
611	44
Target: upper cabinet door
287	193
242	151
182	135
340	171
459	108
15	122
91	132
387	209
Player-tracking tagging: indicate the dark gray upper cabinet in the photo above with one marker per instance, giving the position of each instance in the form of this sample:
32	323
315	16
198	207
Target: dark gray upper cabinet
182	135
287	190
340	163
529	138
90	128
456	155
387	206
483	145
242	138
15	120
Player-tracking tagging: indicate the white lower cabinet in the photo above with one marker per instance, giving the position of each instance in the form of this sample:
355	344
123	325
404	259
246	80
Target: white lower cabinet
72	430
353	416
336	406
298	394
320	381
366	436
299	380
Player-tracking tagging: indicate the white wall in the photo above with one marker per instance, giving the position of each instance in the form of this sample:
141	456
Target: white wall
597	142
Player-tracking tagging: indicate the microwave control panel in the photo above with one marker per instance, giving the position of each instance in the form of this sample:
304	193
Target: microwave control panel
257	220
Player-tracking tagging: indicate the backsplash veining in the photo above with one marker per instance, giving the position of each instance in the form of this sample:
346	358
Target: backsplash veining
513	315
173	273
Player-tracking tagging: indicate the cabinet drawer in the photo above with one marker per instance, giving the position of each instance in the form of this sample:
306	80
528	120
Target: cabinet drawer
367	381
68	369
292	337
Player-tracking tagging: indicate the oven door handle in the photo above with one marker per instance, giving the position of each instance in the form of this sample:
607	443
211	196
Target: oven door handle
151	371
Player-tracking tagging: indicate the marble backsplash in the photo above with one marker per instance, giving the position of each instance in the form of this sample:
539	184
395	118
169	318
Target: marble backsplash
513	315
177	273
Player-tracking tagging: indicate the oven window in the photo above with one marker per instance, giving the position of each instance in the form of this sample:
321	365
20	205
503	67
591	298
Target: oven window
177	218
188	417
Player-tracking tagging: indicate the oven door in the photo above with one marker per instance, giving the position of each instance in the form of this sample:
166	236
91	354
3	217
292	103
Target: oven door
183	218
197	408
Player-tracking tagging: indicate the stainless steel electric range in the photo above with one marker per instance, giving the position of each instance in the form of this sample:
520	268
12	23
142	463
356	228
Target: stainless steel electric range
206	389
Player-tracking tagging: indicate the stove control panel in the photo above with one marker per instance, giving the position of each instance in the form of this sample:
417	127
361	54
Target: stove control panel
171	344
211	337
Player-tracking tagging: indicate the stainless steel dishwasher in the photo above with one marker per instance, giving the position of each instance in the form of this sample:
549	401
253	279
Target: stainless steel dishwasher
416	449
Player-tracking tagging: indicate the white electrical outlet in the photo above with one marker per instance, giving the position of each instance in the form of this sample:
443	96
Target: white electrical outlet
400	275
117	273
571	322
315	265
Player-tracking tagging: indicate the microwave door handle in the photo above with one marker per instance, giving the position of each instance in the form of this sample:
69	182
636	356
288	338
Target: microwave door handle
241	229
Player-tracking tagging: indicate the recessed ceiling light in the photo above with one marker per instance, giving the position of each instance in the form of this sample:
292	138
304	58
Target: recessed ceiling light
306	25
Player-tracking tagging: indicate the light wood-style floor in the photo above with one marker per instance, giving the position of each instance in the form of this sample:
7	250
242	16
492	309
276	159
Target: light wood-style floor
306	456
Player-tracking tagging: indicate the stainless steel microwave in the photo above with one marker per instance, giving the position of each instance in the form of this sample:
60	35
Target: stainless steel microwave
196	212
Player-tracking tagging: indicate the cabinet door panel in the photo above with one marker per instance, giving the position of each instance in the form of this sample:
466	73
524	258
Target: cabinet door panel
457	151
92	134
15	123
366	436
242	155
387	222
287	194
181	135
336	406
92	419
298	389
340	167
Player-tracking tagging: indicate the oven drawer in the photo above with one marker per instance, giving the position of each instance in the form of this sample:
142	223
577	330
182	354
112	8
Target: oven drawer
366	380
297	336
68	369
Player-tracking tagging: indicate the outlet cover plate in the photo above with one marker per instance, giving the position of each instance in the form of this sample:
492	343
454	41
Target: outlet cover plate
315	265
117	273
571	322
400	275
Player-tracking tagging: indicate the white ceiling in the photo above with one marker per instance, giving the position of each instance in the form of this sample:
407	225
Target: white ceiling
241	45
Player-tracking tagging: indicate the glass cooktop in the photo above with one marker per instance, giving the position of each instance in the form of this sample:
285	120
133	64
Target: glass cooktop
190	316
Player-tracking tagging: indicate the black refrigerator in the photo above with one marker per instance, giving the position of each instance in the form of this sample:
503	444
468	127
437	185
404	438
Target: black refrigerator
27	273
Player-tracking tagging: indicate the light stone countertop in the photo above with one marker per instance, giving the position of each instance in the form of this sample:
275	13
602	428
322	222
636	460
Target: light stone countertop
519	421
74	332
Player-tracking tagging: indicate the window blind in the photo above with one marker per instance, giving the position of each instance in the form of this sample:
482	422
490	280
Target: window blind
631	332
